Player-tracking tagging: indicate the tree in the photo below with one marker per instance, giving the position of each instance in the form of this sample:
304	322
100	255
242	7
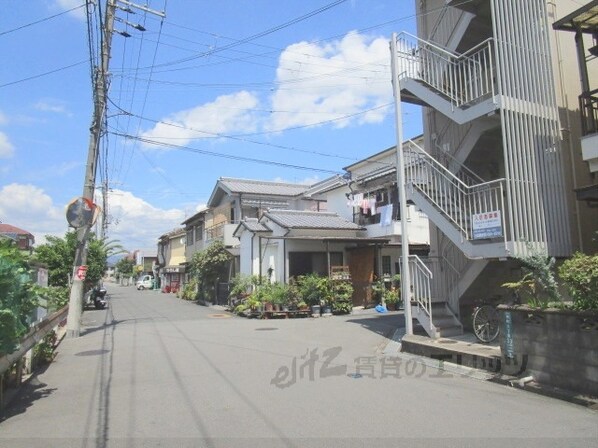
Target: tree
58	254
17	298
207	267
124	267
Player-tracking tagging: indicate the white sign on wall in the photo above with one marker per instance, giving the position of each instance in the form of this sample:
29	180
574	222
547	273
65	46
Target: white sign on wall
486	225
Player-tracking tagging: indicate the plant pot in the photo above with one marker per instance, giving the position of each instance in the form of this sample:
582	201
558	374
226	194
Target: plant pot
268	306
391	306
285	308
327	310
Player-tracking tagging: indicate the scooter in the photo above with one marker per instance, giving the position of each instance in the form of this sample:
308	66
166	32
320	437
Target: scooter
97	297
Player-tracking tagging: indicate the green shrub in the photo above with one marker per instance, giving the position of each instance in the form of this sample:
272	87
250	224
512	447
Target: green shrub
580	274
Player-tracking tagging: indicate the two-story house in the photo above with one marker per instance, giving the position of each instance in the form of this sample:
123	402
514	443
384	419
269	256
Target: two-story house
359	232
498	165
171	259
23	239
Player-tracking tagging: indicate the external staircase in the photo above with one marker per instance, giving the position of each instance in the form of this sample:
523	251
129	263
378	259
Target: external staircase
458	201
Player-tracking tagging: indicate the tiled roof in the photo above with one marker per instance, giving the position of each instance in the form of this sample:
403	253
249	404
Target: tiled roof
251	224
262	187
294	219
8	229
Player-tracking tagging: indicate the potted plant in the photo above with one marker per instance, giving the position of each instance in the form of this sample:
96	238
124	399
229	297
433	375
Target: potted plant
310	290
392	294
343	297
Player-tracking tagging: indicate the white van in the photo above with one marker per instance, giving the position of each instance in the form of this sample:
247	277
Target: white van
145	282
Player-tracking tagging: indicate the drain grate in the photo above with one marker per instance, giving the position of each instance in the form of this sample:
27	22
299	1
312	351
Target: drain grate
266	329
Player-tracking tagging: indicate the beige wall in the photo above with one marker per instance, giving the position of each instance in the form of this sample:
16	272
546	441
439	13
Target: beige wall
584	219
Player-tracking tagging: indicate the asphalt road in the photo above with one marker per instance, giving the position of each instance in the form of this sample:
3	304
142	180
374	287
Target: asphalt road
153	370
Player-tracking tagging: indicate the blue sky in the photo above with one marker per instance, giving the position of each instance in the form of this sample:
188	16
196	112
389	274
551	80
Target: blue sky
260	89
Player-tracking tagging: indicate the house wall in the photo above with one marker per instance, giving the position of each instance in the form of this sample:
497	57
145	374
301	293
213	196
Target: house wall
568	88
176	250
336	202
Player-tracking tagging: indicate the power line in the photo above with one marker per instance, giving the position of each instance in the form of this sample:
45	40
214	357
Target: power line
254	36
240	138
43	20
66	67
225	156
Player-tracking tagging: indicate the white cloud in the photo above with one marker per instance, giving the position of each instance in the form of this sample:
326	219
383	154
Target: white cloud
329	81
3	119
227	114
65	5
6	148
30	208
52	106
136	223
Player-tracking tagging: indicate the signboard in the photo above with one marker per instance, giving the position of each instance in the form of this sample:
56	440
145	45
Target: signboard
486	225
81	272
508	348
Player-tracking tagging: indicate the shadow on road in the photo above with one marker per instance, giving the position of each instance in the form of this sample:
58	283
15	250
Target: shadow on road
26	396
382	324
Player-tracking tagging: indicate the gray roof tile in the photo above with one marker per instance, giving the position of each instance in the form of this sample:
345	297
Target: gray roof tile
294	219
262	187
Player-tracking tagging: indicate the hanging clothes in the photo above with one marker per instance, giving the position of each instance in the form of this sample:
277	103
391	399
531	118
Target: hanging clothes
373	205
385	215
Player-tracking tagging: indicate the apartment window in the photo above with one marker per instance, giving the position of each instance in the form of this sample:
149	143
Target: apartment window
189	237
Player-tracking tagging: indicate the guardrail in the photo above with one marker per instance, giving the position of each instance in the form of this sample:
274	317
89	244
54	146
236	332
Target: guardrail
35	335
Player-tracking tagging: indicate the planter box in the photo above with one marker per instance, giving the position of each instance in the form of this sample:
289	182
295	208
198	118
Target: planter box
558	348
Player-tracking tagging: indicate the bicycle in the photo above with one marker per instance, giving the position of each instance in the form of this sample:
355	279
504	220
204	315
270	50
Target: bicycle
486	319
486	323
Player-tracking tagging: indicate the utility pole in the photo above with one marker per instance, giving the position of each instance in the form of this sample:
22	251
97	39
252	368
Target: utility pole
100	100
405	274
101	89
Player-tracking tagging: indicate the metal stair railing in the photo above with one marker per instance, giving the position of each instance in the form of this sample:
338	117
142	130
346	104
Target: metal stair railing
456	200
421	290
462	172
445	25
463	78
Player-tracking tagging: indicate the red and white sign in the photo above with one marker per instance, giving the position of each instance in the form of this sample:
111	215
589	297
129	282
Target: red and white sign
81	272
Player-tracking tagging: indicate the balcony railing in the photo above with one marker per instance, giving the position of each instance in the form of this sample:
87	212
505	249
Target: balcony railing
222	232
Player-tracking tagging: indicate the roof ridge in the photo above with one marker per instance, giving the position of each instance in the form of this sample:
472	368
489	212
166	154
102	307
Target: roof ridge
258	181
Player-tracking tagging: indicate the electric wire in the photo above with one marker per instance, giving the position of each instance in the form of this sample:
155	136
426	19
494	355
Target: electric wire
255	36
2	33
39	75
224	156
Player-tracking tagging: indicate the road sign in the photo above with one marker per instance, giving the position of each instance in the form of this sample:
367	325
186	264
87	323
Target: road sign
81	272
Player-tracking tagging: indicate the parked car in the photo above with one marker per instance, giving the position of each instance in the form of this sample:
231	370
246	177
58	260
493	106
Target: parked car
145	282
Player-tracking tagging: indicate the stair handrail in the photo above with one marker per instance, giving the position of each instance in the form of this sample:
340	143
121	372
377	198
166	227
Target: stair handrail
471	177
421	290
467	198
439	22
459	91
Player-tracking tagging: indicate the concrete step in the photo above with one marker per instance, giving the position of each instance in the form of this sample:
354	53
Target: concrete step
479	356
